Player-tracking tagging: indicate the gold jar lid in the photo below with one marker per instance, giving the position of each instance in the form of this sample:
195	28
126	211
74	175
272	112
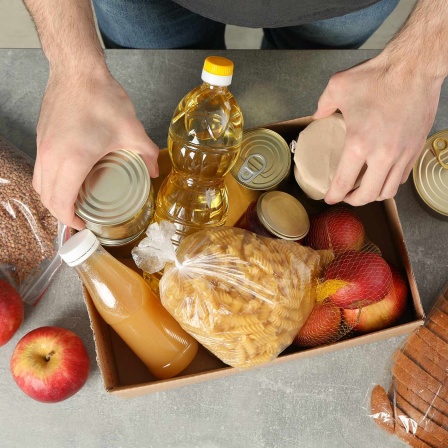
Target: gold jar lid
264	160
115	200
283	215
430	173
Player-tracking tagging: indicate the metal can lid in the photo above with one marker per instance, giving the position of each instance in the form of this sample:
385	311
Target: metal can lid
115	190
264	160
430	173
283	215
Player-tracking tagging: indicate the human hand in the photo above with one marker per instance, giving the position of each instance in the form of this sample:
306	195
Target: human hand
83	118
389	110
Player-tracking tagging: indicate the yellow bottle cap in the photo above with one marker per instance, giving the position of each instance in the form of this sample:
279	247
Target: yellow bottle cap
219	66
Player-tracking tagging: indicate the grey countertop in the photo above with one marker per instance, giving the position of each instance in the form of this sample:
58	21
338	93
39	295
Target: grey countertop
312	403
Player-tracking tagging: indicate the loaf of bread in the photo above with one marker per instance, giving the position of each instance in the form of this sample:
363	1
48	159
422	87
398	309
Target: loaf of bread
418	395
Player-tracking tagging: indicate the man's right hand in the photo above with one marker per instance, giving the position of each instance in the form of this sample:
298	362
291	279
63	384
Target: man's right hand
83	117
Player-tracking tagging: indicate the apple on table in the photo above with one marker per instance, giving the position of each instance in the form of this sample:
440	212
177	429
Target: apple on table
50	364
11	312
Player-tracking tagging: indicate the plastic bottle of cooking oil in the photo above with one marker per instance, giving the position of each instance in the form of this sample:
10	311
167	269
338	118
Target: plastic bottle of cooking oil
203	141
126	302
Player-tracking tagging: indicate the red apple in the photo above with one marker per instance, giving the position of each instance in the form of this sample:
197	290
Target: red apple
383	313
50	364
355	279
321	327
11	312
337	228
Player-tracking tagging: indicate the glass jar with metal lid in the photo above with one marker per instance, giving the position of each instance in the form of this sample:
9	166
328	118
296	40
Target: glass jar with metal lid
116	200
264	161
276	214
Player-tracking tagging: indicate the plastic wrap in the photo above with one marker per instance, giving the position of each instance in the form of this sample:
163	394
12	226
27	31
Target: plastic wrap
29	234
359	291
415	406
242	296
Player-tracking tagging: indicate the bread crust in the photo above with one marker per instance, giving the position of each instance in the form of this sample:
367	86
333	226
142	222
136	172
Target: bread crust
433	341
410	439
425	363
425	429
425	408
421	349
411	383
381	409
422	378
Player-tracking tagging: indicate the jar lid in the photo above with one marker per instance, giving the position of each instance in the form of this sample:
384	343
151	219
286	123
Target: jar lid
283	215
430	173
264	160
115	190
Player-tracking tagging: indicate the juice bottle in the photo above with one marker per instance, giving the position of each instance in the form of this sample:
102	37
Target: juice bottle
126	302
204	140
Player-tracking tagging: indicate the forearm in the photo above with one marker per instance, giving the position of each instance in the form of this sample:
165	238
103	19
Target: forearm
68	36
421	45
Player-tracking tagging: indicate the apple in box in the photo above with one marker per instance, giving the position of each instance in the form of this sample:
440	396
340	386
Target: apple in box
321	327
383	313
50	364
11	312
355	279
336	228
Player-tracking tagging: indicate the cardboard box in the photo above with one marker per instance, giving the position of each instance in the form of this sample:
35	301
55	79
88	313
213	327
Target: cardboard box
124	375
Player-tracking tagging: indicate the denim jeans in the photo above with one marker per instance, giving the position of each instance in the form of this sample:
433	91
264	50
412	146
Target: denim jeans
165	24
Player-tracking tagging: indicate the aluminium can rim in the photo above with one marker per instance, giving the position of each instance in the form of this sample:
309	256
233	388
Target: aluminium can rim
264	160
430	178
115	190
296	223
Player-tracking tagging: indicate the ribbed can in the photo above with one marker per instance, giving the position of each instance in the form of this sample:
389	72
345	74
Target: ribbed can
116	200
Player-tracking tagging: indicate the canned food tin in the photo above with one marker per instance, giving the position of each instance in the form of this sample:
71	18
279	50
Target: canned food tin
277	214
116	200
430	173
264	160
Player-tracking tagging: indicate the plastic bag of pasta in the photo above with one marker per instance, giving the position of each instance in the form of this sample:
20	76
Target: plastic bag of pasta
242	296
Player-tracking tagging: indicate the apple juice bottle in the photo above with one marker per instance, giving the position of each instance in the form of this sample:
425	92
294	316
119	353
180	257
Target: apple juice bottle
126	302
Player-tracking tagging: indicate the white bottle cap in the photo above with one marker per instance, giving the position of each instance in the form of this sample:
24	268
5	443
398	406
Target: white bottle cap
79	247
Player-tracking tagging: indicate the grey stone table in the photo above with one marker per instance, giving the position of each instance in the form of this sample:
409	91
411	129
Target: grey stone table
312	403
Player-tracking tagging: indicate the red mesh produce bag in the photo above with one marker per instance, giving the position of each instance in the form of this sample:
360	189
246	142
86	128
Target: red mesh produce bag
359	290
